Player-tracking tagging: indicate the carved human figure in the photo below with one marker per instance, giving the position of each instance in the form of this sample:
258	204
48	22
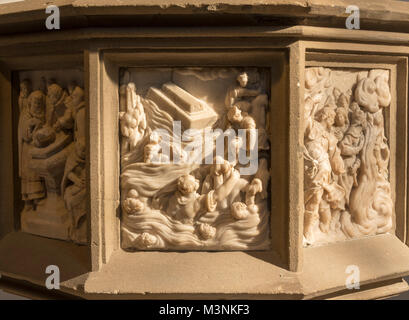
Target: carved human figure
153	150
134	204
73	119
31	120
238	120
322	157
254	188
241	210
186	203
238	95
56	97
341	122
25	90
350	146
74	190
219	172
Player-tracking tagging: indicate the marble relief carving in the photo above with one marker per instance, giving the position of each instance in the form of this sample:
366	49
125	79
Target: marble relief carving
178	190
347	193
51	144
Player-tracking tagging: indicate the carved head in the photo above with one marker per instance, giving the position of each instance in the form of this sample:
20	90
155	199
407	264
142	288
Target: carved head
243	79
146	240
188	184
206	231
326	116
36	102
256	186
54	93
341	116
133	204
239	210
25	88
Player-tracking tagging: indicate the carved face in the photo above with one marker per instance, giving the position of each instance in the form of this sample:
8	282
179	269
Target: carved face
54	93
340	118
243	79
239	210
327	116
24	89
187	184
37	108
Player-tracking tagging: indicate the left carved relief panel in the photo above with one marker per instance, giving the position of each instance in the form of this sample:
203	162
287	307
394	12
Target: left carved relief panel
51	154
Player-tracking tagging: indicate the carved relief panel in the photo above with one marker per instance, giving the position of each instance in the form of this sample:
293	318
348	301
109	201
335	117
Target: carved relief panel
347	189
51	153
194	158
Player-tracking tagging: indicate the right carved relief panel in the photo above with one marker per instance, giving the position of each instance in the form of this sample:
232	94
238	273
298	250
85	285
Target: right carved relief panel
347	190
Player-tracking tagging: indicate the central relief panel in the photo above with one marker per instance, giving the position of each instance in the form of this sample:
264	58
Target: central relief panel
195	158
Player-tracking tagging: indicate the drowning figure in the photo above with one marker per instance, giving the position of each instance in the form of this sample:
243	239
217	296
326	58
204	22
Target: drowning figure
153	150
186	204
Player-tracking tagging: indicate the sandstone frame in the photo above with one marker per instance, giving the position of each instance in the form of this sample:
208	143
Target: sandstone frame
290	271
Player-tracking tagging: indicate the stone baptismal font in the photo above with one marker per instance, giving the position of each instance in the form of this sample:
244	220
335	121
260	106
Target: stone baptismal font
235	150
